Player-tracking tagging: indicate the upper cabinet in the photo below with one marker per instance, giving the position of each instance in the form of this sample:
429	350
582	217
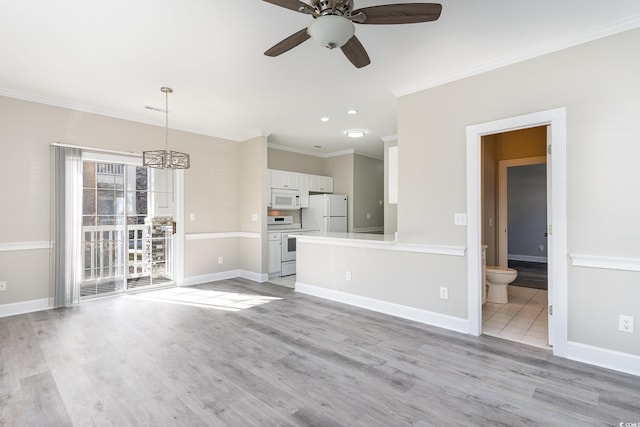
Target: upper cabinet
320	184
284	179
300	181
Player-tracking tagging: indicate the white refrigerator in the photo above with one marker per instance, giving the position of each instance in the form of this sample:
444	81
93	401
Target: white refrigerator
326	213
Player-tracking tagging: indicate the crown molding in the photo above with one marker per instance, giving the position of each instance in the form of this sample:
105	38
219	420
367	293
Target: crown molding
322	155
389	138
600	32
294	150
85	108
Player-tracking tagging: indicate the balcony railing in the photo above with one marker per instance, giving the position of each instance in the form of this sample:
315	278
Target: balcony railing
116	254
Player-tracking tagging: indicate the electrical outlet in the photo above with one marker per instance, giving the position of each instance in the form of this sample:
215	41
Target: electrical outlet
540	248
460	219
3	286
219	260
444	293
626	324
347	275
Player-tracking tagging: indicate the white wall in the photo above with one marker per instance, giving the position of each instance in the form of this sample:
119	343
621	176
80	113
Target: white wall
390	209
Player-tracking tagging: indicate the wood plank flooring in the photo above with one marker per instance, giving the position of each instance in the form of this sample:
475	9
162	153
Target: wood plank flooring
238	353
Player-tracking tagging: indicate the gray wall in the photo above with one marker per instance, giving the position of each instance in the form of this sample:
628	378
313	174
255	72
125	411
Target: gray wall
213	189
597	84
527	211
368	187
294	162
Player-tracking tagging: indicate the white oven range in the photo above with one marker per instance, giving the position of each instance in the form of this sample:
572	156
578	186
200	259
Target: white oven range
288	230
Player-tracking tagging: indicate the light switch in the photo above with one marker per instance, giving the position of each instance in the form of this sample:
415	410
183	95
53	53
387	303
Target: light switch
460	219
192	217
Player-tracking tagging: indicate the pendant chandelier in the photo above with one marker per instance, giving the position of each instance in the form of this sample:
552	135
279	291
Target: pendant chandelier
165	159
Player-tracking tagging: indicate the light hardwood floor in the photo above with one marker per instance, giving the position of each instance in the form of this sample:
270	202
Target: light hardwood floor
240	353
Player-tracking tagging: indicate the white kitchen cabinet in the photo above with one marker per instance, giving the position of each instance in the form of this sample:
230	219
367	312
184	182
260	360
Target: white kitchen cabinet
285	179
275	252
320	184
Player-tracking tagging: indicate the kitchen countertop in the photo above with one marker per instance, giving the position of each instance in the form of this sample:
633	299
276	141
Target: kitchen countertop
382	238
378	241
290	230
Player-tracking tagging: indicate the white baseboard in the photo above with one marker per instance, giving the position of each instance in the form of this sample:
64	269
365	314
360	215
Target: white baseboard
223	275
610	359
256	277
527	258
410	313
24	307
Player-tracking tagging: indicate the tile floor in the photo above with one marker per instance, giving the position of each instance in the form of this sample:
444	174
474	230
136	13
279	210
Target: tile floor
524	318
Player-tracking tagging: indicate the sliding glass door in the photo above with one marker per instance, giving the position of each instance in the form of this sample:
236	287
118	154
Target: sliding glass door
127	227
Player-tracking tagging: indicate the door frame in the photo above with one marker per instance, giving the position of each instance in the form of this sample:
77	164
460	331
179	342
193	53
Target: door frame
557	249
107	156
503	220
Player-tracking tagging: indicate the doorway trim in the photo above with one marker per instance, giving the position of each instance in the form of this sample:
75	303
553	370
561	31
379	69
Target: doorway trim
557	250
503	166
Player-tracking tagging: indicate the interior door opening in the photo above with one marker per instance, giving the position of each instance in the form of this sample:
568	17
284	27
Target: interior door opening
127	228
514	216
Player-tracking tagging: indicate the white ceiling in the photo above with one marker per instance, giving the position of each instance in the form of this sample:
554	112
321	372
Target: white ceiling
112	57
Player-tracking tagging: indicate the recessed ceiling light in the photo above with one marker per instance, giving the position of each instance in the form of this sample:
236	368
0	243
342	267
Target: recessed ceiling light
352	112
355	133
324	119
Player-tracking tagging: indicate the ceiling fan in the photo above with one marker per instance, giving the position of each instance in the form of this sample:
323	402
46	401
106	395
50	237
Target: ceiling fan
333	27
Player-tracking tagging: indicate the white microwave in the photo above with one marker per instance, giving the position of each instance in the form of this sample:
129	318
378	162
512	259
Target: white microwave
285	199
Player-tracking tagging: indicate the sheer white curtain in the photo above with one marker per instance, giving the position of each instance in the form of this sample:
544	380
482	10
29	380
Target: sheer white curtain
67	217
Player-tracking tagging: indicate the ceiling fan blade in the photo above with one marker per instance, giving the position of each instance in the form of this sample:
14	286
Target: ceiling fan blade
407	13
296	5
354	51
289	43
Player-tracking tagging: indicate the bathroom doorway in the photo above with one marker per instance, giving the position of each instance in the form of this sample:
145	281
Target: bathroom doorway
554	121
514	164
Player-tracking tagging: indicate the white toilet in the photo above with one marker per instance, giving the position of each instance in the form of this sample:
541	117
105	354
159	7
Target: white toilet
497	280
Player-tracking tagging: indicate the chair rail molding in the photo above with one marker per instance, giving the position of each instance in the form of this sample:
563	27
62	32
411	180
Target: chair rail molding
605	262
25	246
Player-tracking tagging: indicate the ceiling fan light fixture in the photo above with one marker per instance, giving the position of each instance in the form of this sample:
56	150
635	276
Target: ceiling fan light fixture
331	31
